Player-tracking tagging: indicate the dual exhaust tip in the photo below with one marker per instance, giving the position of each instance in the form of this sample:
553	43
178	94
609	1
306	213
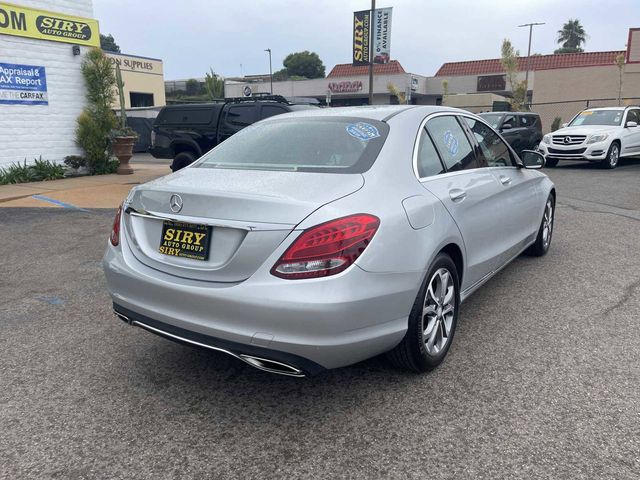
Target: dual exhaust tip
264	364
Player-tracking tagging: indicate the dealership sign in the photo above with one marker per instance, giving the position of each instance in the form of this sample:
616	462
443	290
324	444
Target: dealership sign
367	33
382	35
23	84
43	25
491	83
345	87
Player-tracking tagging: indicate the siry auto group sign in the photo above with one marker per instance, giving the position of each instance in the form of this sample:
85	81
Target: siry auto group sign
58	27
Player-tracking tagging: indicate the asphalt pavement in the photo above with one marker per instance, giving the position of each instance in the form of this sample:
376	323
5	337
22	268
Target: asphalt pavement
542	381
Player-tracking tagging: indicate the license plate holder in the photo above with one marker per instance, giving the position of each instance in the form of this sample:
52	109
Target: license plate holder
186	240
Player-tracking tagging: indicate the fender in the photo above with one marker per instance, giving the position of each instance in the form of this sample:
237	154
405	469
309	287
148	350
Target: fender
186	142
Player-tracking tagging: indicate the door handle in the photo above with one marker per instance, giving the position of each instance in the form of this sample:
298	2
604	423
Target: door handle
457	194
505	180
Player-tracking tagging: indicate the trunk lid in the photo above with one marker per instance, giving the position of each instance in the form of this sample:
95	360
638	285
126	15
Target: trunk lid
248	212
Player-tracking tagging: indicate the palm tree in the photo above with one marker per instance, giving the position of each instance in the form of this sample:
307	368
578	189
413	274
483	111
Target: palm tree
571	37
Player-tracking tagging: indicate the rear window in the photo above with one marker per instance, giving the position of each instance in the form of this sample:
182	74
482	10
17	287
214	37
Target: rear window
318	144
196	116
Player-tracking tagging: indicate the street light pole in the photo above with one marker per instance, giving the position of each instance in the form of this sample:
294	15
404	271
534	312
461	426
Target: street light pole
526	75
371	20
270	71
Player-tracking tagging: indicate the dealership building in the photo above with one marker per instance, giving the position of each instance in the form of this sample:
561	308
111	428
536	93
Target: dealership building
42	90
560	85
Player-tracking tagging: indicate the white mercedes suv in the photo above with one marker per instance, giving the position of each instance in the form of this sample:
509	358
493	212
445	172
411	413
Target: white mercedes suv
600	135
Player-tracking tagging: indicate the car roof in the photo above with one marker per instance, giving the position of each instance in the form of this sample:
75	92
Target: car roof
373	112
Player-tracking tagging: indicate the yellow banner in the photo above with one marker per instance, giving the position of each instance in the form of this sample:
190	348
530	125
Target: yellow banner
58	27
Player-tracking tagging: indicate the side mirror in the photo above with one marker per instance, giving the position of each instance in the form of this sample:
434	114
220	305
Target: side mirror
506	126
532	159
564	124
631	124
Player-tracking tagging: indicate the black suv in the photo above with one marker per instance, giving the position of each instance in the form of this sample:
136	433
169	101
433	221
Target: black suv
523	130
185	132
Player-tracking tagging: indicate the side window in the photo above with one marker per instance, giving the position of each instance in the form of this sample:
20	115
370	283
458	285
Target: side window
242	115
495	152
271	110
632	116
428	161
511	120
452	143
533	120
525	121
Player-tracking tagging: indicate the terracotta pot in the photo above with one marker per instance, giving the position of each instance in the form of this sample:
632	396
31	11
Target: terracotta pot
123	150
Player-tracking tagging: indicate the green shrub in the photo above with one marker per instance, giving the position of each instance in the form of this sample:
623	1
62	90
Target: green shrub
555	125
75	161
97	119
23	173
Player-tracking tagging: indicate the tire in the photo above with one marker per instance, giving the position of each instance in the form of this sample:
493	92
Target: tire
550	162
543	240
613	157
431	313
181	160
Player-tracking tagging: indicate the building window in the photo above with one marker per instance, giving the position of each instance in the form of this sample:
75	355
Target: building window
141	99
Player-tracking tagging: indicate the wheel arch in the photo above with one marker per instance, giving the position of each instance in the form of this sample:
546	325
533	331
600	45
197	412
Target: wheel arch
185	146
455	252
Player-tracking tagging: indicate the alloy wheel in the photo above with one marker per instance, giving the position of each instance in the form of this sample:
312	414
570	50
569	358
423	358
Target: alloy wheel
614	155
547	223
438	311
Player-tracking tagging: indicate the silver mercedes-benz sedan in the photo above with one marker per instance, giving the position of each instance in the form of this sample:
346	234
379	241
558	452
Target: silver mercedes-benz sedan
316	239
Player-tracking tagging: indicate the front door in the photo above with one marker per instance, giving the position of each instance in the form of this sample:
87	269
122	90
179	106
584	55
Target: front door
517	199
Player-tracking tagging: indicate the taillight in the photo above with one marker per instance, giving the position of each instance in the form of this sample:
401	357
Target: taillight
153	138
115	231
328	248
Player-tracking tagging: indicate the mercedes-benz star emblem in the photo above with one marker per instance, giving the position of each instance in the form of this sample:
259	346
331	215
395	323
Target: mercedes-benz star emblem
175	203
567	140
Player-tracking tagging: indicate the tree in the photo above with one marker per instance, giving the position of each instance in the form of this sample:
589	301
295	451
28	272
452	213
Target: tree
213	85
395	91
303	64
620	64
108	44
193	87
97	119
571	37
509	61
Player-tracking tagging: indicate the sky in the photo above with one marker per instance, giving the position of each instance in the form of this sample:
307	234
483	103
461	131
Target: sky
230	37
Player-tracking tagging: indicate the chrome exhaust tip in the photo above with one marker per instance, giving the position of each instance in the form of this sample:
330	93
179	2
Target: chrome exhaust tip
260	363
271	366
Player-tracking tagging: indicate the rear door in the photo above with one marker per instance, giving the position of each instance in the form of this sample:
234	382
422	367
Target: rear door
236	117
512	135
517	200
469	193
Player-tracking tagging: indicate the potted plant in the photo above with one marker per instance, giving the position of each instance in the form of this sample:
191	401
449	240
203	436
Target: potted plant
124	137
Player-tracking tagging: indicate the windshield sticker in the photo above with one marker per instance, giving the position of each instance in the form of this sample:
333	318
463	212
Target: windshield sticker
451	142
587	113
362	131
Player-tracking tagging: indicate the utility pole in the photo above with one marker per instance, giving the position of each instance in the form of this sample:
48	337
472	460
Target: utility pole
526	75
371	27
270	71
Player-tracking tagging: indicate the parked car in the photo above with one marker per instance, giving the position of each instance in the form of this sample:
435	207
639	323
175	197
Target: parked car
523	130
316	239
185	132
601	135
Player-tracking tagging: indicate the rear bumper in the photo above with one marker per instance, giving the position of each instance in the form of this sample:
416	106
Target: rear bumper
591	153
323	323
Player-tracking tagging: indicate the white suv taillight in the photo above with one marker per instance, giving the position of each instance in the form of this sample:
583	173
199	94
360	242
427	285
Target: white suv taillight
328	248
153	138
115	230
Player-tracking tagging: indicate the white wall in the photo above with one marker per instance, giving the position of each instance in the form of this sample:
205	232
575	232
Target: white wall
28	131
